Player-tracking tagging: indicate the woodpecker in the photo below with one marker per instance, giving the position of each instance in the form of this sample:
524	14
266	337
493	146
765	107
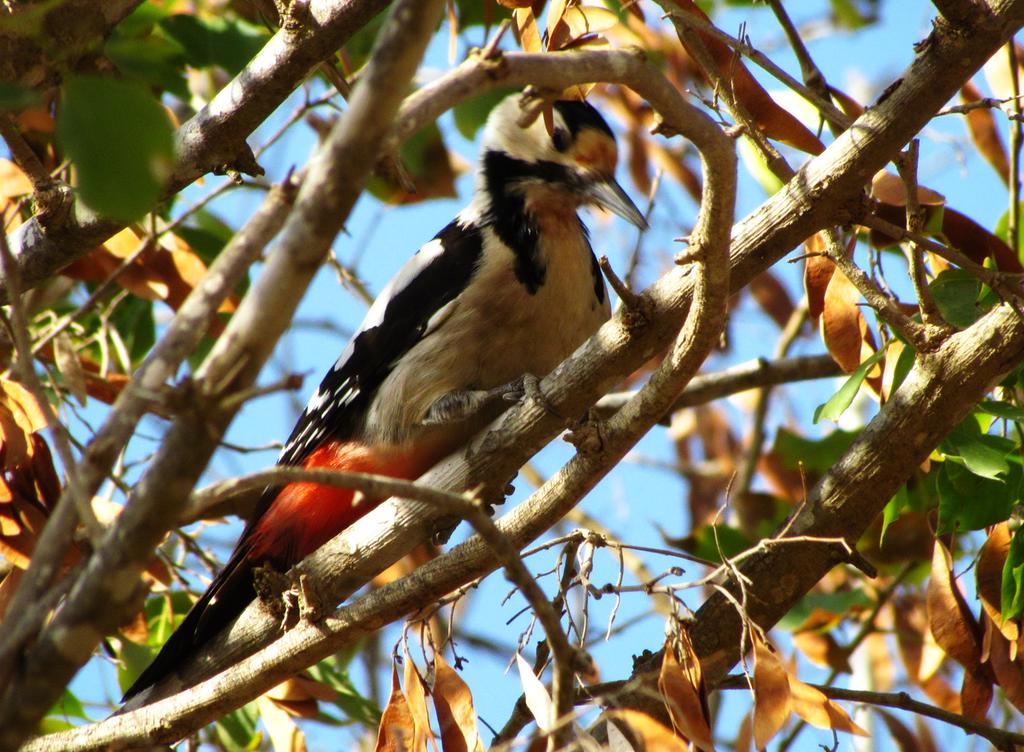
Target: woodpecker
506	291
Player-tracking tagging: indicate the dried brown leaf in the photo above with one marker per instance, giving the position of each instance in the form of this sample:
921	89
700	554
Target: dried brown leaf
772	699
776	121
814	707
397	725
525	25
772	296
981	124
681	684
456	715
1009	671
949	617
818	271
653	736
989	578
416	696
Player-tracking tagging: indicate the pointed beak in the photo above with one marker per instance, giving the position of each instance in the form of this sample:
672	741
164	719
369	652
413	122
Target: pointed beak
609	195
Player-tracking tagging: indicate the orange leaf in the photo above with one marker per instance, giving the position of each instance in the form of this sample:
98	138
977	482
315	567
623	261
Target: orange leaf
456	715
818	271
985	133
891	190
525	25
841	322
13	182
578	22
957	632
1009	672
772	702
681	683
654	736
814	707
416	696
397	724
989	576
949	618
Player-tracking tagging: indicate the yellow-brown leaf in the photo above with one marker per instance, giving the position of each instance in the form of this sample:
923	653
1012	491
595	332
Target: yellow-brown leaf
456	715
819	711
397	726
681	684
772	700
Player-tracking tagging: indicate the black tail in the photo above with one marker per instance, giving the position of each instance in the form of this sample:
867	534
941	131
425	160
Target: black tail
228	595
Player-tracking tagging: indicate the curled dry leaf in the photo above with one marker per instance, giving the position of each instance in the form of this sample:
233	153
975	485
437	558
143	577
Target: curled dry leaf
772	698
957	632
1009	671
397	725
949	617
981	124
577	23
456	715
989	578
681	684
652	735
814	707
818	271
844	328
299	696
416	696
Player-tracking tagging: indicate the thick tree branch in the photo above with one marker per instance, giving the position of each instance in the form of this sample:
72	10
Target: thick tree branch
211	139
109	589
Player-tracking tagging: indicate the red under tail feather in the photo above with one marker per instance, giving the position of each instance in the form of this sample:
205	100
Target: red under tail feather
299	519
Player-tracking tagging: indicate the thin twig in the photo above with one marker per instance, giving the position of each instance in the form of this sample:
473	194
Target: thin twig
1013	222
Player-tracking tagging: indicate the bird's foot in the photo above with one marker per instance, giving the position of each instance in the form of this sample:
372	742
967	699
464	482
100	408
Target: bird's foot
277	593
587	435
311	605
458	406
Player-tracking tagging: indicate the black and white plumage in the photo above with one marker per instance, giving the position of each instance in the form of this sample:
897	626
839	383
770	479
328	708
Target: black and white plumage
510	287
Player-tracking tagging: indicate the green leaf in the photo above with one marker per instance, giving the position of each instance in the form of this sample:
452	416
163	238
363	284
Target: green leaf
956	294
471	114
893	509
356	707
16	97
971	502
119	138
133	319
228	42
236	732
712	541
904	363
817	455
68	706
1004	410
833	603
1012	592
982	454
842	399
153	60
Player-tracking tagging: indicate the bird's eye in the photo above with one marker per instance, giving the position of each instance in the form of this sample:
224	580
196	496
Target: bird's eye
560	139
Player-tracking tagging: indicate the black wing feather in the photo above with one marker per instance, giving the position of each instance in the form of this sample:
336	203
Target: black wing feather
339	405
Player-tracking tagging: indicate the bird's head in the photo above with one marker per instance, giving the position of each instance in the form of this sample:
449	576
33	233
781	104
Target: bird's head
574	161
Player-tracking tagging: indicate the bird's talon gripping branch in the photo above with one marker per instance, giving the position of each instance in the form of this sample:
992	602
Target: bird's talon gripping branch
587	435
502	295
311	604
275	591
